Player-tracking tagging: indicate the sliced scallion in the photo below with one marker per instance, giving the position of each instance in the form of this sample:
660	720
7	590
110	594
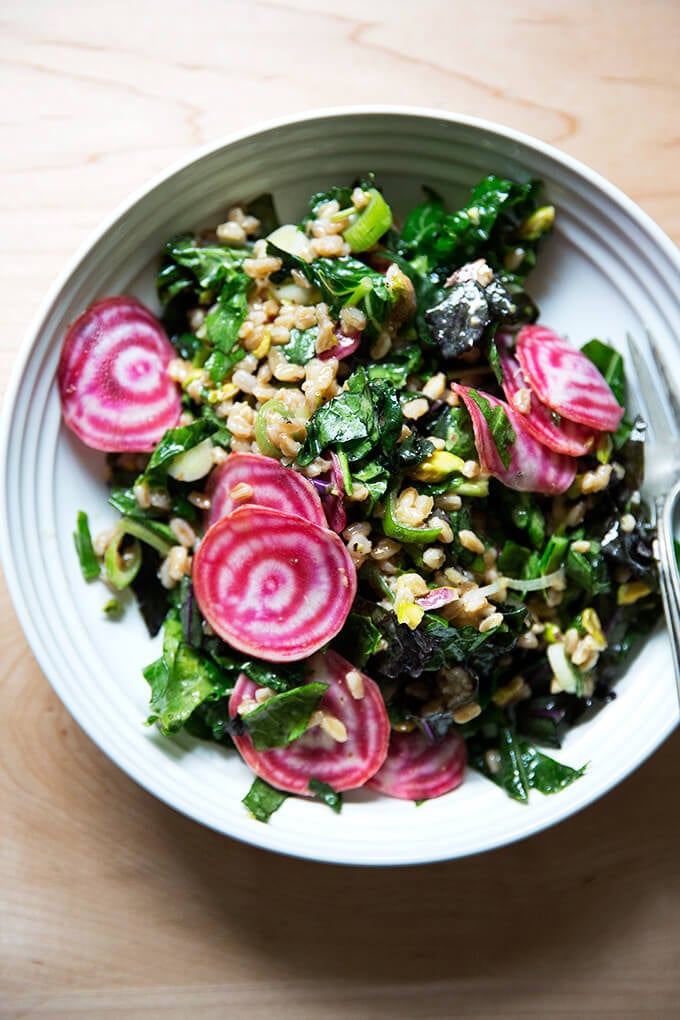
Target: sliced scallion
371	223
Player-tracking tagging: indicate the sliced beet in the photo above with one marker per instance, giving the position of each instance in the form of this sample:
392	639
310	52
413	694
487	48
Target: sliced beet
347	344
417	769
566	380
532	467
272	484
316	755
564	436
272	584
115	392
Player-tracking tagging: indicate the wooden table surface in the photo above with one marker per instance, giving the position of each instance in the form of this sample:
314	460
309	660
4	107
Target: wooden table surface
111	904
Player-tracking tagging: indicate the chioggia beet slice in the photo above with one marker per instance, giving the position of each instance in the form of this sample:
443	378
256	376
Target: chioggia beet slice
112	376
532	466
272	584
566	380
564	436
417	769
252	478
345	764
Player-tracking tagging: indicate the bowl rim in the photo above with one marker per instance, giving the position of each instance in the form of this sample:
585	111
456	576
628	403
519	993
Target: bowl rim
70	269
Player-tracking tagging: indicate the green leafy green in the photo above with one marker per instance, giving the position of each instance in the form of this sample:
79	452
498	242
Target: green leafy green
401	364
488	225
180	680
301	347
610	363
173	443
207	266
89	564
365	417
284	717
263	208
522	767
223	324
501	430
327	794
359	639
262	800
345	282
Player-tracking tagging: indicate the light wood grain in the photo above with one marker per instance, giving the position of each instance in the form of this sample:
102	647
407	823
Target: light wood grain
112	905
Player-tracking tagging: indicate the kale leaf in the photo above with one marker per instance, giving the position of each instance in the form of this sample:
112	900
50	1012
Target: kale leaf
521	767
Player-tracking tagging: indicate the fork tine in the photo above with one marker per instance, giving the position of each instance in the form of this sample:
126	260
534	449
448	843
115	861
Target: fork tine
659	405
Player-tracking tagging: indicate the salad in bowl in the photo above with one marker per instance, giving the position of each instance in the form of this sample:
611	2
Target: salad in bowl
387	520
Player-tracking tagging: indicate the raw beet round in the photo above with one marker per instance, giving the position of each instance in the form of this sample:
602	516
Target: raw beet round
564	437
566	380
532	467
315	755
272	584
112	376
273	485
416	769
347	344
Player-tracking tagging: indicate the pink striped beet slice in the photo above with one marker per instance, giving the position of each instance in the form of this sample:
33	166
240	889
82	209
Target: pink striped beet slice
273	584
564	437
272	485
115	392
566	380
532	467
344	765
417	769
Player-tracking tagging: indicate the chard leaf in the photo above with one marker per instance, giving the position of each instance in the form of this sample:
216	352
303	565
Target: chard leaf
327	794
301	347
223	325
365	418
422	223
278	678
610	363
400	366
209	265
89	564
262	800
588	571
501	430
180	680
283	718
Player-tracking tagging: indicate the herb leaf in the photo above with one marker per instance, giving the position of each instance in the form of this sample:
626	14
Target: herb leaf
223	325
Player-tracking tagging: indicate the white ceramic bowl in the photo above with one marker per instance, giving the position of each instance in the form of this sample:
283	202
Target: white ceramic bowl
607	270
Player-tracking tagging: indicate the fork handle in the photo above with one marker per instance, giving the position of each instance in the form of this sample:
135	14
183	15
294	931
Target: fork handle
669	573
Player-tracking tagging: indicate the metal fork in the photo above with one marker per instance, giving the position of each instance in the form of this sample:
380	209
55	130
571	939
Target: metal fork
661	410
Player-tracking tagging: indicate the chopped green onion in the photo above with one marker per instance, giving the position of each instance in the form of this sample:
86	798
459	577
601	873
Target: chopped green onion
401	532
371	223
261	437
154	533
122	566
82	538
114	609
